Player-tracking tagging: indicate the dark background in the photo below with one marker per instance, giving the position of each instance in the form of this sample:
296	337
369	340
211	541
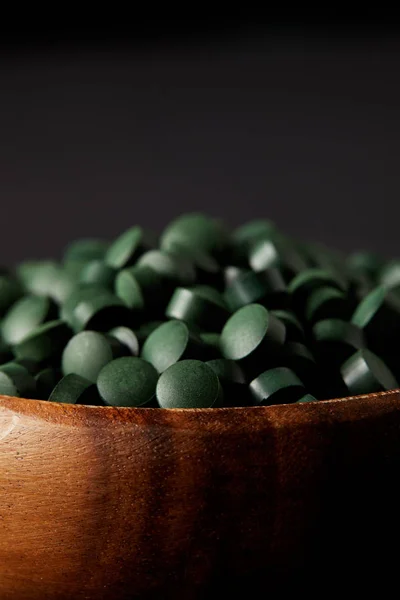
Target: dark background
295	122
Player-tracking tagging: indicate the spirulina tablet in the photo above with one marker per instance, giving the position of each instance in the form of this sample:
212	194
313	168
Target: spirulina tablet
267	287
250	336
74	389
128	381
294	329
102	312
189	384
327	303
24	316
127	337
306	398
46	380
170	342
196	307
232	380
97	272
45	342
126	248
336	340
365	373
15	380
276	386
10	291
86	354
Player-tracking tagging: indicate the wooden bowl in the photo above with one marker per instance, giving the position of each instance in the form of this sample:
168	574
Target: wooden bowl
106	503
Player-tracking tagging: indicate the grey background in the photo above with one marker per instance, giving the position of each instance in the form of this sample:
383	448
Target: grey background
301	129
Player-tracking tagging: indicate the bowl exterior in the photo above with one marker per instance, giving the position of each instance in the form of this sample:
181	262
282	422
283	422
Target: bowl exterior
145	503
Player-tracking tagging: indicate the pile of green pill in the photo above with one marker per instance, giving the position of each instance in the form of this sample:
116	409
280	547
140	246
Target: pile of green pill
200	317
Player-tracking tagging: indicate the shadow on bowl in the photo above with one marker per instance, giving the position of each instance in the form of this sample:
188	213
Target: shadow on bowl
105	503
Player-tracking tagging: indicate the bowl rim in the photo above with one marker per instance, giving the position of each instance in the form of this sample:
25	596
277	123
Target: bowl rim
58	408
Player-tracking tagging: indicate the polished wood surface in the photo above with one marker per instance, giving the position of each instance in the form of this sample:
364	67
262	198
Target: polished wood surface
105	503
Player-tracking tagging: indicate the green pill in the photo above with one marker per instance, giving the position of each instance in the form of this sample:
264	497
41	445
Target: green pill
128	381
195	307
143	290
327	303
309	280
26	315
81	293
96	272
127	248
46	380
194	230
267	287
86	354
127	338
212	342
306	398
46	278
369	263
276	386
232	380
206	268
74	389
389	275
253	230
294	329
336	340
10	291
378	315
252	336
276	253
101	312
231	272
86	250
169	266
170	342
46	342
366	373
15	380
143	332
189	384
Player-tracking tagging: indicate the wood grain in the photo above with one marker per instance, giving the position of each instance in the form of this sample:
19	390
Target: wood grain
105	503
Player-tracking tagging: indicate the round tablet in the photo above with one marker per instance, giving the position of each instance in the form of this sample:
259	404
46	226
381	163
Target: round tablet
101	313
86	354
294	329
188	384
365	373
304	283
196	307
170	342
24	316
253	230
74	389
146	329
85	250
196	231
206	268
389	275
336	340
232	380
276	253
46	380
231	272
307	398
79	294
212	341
10	291
266	287
98	273
46	342
326	303
38	277
126	248
143	290
127	381
276	386
378	315
250	336
127	338
169	266
15	380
